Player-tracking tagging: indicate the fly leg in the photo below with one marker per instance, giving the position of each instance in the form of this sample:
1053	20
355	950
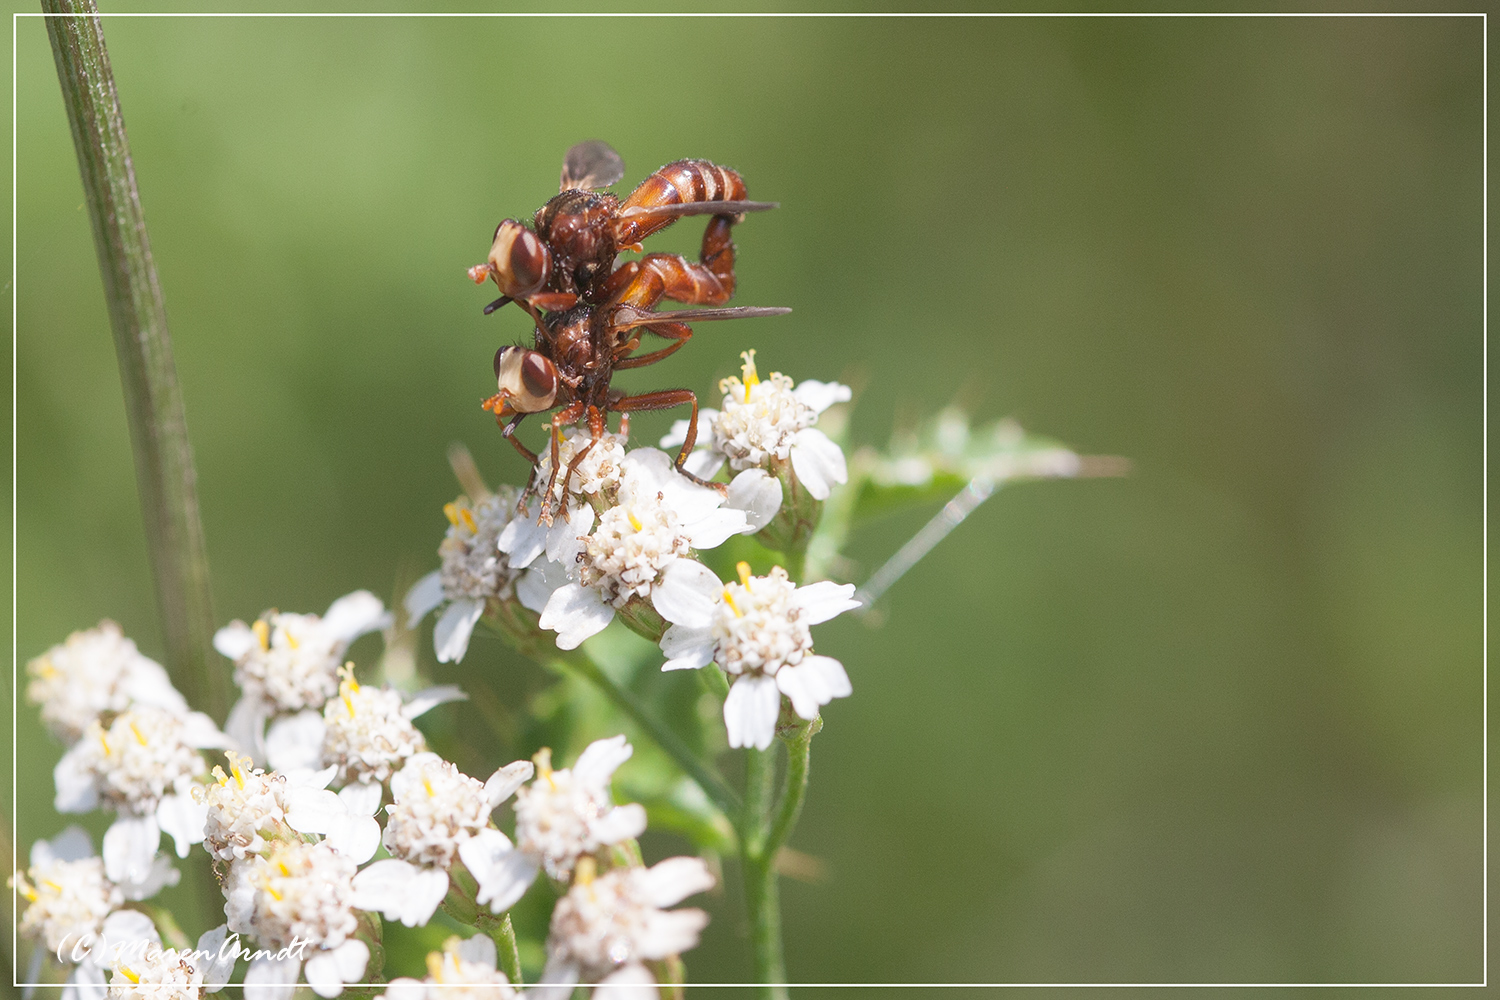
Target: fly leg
679	332
565	416
596	431
665	400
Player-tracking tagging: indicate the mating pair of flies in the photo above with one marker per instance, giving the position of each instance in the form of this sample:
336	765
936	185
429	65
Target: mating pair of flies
589	314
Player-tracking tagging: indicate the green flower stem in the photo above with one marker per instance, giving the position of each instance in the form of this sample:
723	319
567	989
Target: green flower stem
799	755
153	401
669	741
500	931
760	875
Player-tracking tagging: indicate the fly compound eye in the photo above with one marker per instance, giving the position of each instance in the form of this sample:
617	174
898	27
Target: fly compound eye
538	376
520	260
526	379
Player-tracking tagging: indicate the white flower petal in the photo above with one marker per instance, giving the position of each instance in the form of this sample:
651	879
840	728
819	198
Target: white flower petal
450	637
814	682
600	759
557	981
522	540
575	612
400	891
504	782
75	783
687	648
565	537
129	845
217	963
199	731
73	844
162	874
272	979
629	982
821	395
824	600
503	873
714	527
704	463
818	462
534	588
620	824
246	726
479	949
123	928
313	810
424	595
296	741
85	983
235	640
678	434
184	819
750	711
352	615
429	698
758	495
670	932
671	881
687	593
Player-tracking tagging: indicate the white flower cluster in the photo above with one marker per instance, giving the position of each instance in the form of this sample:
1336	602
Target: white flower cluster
95	673
463	970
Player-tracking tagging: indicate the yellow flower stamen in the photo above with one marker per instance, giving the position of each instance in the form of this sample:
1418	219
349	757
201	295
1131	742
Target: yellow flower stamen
221	777
291	640
633	522
55	887
138	737
585	872
729	600
128	974
435	966
348	687
272	890
19	883
104	743
43	668
263	633
428	785
743	569
236	765
752	378
451	511
463	512
543	761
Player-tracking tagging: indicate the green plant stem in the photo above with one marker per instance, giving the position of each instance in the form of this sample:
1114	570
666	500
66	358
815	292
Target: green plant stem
799	755
153	402
761	898
669	741
500	931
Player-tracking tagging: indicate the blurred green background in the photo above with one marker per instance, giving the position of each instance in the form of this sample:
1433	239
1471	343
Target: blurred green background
1219	721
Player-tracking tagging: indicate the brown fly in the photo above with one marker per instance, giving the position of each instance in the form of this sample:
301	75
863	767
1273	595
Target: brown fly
589	314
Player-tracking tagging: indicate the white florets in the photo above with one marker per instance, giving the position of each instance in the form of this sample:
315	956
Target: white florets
437	808
473	567
300	891
631	546
244	807
596	475
457	973
94	672
758	627
294	665
759	419
563	815
608	924
68	901
156	974
366	733
142	757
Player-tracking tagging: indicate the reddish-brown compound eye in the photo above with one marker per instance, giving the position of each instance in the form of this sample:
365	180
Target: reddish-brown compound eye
527	380
519	259
538	375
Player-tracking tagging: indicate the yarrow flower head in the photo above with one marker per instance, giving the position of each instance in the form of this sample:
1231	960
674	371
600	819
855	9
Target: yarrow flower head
757	630
474	571
560	817
246	810
74	909
290	661
368	734
437	810
463	970
660	517
766	424
144	767
607	927
93	673
301	893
